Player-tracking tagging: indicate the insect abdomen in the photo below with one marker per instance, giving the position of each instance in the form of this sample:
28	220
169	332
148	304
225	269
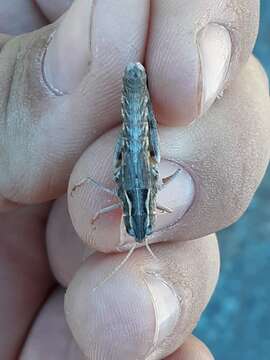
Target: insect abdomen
137	213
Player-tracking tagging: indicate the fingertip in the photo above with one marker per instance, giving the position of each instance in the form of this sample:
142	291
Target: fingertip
65	249
91	35
67	55
85	202
53	9
104	312
49	337
185	87
55	129
192	349
193	54
7	205
107	233
256	67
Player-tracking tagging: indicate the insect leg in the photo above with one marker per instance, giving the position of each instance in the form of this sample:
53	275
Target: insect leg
105	210
117	157
153	134
164	209
89	180
165	181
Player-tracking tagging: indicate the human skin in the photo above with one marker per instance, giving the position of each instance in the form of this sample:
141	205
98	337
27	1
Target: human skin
59	107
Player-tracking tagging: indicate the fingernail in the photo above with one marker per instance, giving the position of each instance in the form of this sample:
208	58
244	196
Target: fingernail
177	195
167	308
68	56
215	49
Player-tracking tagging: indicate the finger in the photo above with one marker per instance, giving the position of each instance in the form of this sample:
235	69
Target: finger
148	308
192	349
25	275
63	244
50	337
222	159
195	48
42	132
20	16
53	9
66	251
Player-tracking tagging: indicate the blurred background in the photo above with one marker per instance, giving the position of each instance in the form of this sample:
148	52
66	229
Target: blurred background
236	324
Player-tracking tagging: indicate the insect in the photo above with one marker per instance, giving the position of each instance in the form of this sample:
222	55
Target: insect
136	159
135	164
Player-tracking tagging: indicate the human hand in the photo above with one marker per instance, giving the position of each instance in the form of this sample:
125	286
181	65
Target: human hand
44	132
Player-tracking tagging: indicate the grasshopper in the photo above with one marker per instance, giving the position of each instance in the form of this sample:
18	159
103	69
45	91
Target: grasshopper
136	159
135	164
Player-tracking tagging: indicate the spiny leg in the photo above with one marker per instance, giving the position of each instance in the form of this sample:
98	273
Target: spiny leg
164	209
165	181
88	179
105	211
153	133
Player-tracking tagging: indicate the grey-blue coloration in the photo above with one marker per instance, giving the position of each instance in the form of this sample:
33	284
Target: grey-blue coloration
136	159
236	324
137	155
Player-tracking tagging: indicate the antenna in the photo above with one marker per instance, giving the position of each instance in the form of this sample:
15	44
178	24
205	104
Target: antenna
115	270
123	262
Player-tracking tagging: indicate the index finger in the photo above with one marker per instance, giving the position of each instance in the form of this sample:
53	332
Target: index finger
47	121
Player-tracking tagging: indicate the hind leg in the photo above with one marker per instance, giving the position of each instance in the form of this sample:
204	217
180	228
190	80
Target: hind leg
105	210
164	209
164	182
89	180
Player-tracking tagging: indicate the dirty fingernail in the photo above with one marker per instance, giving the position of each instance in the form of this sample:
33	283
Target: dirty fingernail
177	194
167	308
215	49
68	55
